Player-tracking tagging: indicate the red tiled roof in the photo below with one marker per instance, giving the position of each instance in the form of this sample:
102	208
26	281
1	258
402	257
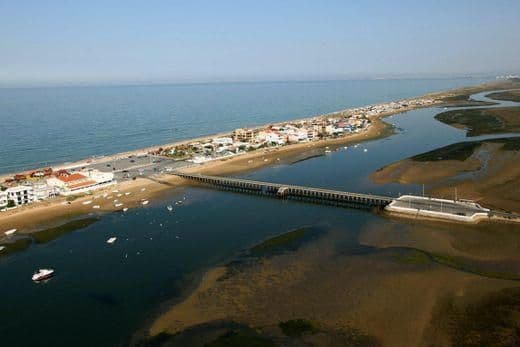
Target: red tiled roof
81	184
71	177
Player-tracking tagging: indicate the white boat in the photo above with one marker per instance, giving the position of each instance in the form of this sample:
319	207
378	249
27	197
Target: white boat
88	202
125	209
327	151
2	248
169	208
143	189
365	150
127	193
112	240
96	207
118	205
10	232
42	274
145	202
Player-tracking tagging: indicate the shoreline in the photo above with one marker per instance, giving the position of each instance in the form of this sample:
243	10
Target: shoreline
51	212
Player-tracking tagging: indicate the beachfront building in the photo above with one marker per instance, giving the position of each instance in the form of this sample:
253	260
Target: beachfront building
20	195
69	183
3	199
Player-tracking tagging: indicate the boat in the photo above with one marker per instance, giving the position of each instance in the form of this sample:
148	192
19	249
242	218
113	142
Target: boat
145	202
169	208
125	209
2	248
10	232
327	151
118	205
95	207
42	274
88	202
112	240
365	150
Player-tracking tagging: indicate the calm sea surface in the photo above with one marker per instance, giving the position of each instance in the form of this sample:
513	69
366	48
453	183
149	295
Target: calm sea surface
102	294
54	125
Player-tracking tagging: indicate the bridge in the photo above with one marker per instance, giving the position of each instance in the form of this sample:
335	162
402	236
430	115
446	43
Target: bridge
293	192
408	205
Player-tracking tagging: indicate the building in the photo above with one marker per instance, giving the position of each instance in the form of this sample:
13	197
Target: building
3	199
20	195
68	183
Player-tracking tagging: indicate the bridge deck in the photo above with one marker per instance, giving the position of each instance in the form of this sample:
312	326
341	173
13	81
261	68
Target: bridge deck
290	191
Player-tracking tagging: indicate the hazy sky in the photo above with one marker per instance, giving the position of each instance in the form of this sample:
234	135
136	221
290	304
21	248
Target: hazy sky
174	41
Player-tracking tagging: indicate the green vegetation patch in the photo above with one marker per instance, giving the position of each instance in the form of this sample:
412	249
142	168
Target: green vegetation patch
288	240
457	151
420	257
297	327
463	150
494	320
16	246
510	95
480	121
52	233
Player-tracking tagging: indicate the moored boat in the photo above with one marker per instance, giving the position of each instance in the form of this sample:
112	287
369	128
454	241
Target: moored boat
112	240
42	274
169	208
10	232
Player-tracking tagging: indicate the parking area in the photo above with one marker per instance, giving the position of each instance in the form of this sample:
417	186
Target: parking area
136	166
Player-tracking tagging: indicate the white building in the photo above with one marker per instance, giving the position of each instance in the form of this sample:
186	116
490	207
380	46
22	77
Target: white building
20	195
74	183
3	199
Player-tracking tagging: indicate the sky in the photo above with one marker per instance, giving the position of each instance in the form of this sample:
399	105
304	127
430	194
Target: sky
99	42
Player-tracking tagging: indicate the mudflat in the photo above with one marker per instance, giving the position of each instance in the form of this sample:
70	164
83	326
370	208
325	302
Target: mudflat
486	171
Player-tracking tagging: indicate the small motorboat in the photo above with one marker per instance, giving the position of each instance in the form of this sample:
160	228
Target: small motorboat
169	208
118	205
10	232
125	209
88	202
145	202
365	150
42	274
112	240
2	248
96	207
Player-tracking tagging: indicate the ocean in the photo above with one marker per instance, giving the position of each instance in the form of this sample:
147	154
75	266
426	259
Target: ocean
44	126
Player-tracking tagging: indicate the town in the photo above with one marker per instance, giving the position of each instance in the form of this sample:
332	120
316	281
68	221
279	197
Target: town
42	184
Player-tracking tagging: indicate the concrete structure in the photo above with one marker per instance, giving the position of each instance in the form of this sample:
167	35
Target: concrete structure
408	205
283	191
426	207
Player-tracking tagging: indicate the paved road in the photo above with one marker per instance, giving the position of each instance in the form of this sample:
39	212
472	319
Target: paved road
458	208
134	166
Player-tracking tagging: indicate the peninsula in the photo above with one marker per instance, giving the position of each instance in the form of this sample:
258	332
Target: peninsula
44	197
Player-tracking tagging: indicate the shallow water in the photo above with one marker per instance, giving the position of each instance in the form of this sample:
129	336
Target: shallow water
102	293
